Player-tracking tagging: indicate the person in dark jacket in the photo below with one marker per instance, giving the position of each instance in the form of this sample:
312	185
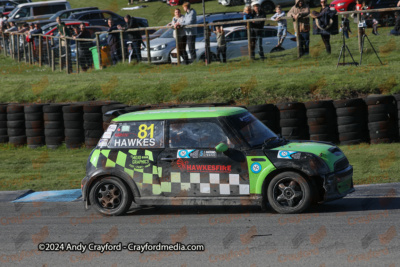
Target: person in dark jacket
133	36
85	57
37	30
113	41
256	31
396	30
323	22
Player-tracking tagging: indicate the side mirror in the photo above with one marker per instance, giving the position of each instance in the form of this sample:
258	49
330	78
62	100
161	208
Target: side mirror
221	147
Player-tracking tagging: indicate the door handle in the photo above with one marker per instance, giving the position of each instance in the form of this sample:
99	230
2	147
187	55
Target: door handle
168	159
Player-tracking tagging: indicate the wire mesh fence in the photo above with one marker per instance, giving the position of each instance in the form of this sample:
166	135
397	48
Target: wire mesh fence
106	48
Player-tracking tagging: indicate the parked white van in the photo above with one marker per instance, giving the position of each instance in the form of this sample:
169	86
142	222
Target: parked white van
37	11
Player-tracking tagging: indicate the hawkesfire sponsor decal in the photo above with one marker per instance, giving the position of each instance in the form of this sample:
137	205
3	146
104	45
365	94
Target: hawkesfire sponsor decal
186	167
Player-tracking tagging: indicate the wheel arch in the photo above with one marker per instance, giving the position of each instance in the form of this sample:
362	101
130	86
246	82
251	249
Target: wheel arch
125	178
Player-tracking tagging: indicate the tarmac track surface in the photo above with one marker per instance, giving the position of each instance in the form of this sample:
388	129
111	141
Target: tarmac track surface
360	230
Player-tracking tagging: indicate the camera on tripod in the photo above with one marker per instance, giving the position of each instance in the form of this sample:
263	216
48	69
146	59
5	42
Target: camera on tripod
362	24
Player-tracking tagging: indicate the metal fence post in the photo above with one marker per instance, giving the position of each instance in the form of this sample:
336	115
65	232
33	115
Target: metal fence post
12	45
98	50
249	38
48	51
53	62
77	55
40	50
121	35
360	30
18	52
148	46
60	61
298	39
67	55
178	56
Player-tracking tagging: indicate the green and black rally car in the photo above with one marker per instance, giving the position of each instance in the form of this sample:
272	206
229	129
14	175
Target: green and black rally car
209	156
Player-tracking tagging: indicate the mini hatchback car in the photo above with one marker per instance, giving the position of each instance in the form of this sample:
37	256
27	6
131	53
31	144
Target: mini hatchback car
209	156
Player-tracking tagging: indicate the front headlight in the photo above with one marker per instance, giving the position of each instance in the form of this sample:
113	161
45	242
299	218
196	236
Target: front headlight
159	47
341	4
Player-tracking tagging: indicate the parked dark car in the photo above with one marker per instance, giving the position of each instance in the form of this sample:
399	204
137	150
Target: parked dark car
100	18
7	5
64	14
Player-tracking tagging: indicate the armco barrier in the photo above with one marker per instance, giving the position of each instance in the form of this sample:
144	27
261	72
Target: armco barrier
350	121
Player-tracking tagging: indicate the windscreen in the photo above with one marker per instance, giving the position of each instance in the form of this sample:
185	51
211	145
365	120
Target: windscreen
250	128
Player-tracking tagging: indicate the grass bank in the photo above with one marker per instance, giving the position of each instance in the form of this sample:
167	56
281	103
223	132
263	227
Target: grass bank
45	169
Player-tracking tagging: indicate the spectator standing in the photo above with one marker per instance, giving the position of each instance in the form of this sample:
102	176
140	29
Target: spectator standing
323	22
396	30
282	24
135	37
63	32
190	18
181	38
374	23
256	30
221	43
345	27
299	13
247	13
36	40
85	57
113	41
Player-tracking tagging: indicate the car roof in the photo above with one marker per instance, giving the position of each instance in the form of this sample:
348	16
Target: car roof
43	3
77	14
235	28
179	113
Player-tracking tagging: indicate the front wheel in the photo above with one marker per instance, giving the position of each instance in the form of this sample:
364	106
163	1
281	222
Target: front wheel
289	192
110	196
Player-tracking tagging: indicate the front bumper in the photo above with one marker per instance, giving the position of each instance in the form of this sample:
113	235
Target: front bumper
338	184
160	56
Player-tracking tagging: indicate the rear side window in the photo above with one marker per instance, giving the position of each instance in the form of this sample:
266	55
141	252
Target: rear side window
41	10
56	8
138	134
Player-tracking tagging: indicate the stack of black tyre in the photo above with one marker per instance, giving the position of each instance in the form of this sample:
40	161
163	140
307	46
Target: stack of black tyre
321	119
352	121
107	119
73	126
16	124
34	125
93	123
53	125
3	124
293	120
397	97
267	114
382	119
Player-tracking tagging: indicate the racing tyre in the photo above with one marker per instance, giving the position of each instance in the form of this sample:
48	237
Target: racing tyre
53	125
291	122
16	131
73	124
355	102
350	111
319	104
320	129
37	116
322	137
53	108
93	133
93	117
73	116
34	132
3	116
292	114
379	99
110	196
289	192
15	108
351	136
33	124
15	116
382	108
3	131
356	127
321	113
3	138
318	121
15	124
54	116
35	108
349	120
17	140
72	109
74	133
88	125
290	106
54	132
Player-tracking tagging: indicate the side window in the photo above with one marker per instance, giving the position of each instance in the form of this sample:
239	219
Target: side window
196	135
269	33
85	17
56	8
107	15
24	12
65	15
137	134
41	10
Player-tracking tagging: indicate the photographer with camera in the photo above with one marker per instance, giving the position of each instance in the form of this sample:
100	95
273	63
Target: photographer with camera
345	27
396	30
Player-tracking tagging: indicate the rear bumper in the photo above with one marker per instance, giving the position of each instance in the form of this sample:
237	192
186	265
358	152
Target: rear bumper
339	184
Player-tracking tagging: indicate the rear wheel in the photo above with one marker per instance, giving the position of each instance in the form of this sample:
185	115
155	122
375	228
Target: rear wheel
110	196
289	192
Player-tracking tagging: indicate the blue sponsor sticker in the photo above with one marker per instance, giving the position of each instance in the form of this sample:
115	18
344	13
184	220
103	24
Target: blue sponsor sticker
184	153
255	167
284	154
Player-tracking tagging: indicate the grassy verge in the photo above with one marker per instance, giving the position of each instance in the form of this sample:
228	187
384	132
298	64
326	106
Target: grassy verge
44	169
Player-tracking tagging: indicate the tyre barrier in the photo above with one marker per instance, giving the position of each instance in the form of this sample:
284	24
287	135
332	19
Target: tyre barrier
352	121
53	125
34	125
73	126
321	120
267	114
293	120
16	124
382	119
3	124
92	123
397	97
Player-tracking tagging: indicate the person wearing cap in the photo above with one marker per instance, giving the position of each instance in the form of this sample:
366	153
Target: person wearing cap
299	12
256	30
189	18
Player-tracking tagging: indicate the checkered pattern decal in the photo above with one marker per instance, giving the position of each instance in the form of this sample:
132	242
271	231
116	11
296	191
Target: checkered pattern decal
150	181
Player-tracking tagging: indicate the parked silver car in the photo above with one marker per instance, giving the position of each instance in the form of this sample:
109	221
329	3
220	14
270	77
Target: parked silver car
237	43
161	47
